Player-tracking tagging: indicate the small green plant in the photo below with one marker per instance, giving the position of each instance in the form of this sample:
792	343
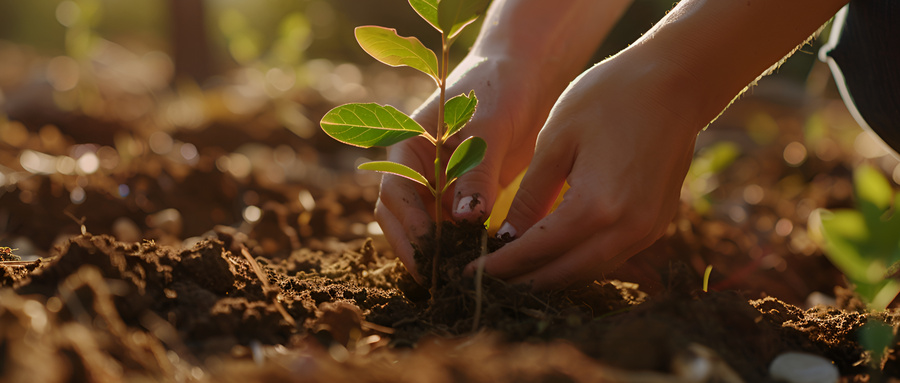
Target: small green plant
702	176
864	243
369	124
706	275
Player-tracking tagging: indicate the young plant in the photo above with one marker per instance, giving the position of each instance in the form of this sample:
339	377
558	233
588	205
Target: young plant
369	124
864	243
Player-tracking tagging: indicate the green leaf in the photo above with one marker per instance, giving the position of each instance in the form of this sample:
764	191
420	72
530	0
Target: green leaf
385	45
454	15
367	125
871	186
458	111
875	335
396	169
467	155
844	231
428	9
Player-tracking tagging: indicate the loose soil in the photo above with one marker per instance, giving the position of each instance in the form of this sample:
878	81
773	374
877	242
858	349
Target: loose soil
160	267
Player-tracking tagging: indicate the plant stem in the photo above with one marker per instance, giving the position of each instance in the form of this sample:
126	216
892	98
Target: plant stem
438	173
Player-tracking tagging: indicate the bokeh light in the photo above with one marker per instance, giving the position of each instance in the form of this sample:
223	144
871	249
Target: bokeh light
306	200
160	142
109	157
88	163
63	73
753	194
37	162
794	153
189	152
66	165
252	214
77	195
68	13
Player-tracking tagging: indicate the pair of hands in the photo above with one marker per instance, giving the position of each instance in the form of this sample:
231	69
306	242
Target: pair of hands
621	134
610	135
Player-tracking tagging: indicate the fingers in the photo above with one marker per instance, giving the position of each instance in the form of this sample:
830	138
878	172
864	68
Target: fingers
395	233
474	196
582	239
475	191
584	251
539	188
589	261
540	244
403	217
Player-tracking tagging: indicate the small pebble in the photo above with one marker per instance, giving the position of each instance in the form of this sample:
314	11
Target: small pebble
125	230
798	367
168	221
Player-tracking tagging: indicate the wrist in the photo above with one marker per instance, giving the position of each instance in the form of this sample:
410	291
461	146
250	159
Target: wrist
651	77
548	42
722	47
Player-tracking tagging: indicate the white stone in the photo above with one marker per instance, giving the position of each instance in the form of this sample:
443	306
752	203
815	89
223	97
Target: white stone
798	367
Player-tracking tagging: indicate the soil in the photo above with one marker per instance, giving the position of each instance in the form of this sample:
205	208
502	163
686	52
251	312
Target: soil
256	260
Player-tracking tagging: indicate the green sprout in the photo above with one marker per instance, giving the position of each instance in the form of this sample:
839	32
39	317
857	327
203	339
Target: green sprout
864	243
706	275
369	124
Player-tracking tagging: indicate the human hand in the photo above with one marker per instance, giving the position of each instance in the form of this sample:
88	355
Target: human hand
622	135
510	113
615	137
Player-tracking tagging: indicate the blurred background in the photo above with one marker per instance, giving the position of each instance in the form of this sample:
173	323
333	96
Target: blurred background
200	39
173	119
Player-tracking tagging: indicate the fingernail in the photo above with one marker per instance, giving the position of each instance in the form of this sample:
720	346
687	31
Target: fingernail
465	205
506	230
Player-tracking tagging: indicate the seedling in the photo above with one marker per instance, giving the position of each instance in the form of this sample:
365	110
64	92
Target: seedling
864	243
706	275
369	124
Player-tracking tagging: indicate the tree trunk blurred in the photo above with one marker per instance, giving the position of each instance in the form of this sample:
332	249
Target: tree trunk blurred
189	42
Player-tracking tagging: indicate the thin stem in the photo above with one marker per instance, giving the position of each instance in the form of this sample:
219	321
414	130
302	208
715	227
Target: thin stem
479	276
438	173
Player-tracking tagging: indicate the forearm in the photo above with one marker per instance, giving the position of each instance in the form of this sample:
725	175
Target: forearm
721	46
553	38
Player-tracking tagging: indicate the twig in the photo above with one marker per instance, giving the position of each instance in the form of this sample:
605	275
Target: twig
79	221
265	282
17	263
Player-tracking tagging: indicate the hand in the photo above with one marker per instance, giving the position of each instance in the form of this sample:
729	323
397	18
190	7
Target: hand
624	151
508	117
